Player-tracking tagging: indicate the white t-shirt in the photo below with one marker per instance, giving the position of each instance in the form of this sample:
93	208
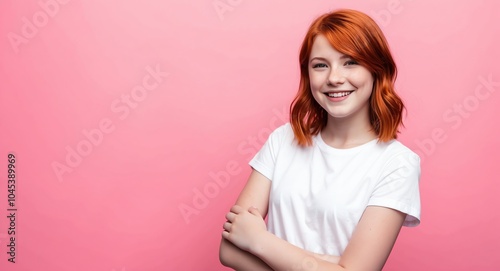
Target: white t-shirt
319	193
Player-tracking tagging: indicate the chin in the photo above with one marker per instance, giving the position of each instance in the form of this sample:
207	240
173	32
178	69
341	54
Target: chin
338	115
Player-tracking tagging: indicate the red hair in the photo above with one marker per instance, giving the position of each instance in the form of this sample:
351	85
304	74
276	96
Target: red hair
355	34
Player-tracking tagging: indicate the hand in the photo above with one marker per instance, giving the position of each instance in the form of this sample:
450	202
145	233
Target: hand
243	228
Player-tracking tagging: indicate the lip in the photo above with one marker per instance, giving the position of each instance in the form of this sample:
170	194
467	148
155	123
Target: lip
338	99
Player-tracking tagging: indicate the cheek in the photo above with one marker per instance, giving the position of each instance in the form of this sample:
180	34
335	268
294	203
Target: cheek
362	80
315	82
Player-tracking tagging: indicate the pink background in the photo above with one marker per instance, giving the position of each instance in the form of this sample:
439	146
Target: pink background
227	72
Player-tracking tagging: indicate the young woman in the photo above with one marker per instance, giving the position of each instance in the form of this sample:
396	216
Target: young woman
335	183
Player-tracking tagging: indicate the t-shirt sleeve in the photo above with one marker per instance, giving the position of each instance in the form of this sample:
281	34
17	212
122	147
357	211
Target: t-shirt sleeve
398	187
264	160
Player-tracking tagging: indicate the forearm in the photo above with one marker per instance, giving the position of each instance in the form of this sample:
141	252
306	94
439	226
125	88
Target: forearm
281	255
233	257
328	258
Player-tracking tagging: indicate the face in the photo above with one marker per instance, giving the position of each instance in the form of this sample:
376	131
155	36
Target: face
338	83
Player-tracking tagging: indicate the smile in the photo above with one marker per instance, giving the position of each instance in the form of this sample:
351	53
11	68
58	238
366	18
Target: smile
338	94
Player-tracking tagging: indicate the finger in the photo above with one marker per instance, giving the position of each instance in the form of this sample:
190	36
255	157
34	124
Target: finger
230	216
227	226
225	235
254	211
237	209
253	208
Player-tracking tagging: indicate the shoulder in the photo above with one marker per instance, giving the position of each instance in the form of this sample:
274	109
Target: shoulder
397	156
280	140
395	149
283	133
283	129
398	185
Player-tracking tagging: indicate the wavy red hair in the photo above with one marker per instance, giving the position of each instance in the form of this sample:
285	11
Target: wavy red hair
355	34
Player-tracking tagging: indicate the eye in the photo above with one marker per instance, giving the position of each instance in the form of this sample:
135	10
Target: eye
319	65
351	62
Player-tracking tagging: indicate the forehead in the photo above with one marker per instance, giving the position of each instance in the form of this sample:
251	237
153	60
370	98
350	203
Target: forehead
322	48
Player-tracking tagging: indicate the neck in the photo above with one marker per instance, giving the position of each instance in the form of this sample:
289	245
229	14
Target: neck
348	132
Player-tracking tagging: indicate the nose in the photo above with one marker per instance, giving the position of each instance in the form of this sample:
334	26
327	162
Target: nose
335	77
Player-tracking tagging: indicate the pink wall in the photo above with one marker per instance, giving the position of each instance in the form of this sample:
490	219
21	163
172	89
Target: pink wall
122	113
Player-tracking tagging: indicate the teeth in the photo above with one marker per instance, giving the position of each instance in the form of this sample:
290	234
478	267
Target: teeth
338	94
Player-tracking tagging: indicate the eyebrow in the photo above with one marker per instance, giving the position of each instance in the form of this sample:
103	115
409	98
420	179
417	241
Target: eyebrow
324	59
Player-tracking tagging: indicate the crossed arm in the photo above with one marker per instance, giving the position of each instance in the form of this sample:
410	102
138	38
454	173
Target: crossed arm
247	245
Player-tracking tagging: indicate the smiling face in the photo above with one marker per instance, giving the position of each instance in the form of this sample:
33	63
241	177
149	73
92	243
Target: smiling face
338	83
